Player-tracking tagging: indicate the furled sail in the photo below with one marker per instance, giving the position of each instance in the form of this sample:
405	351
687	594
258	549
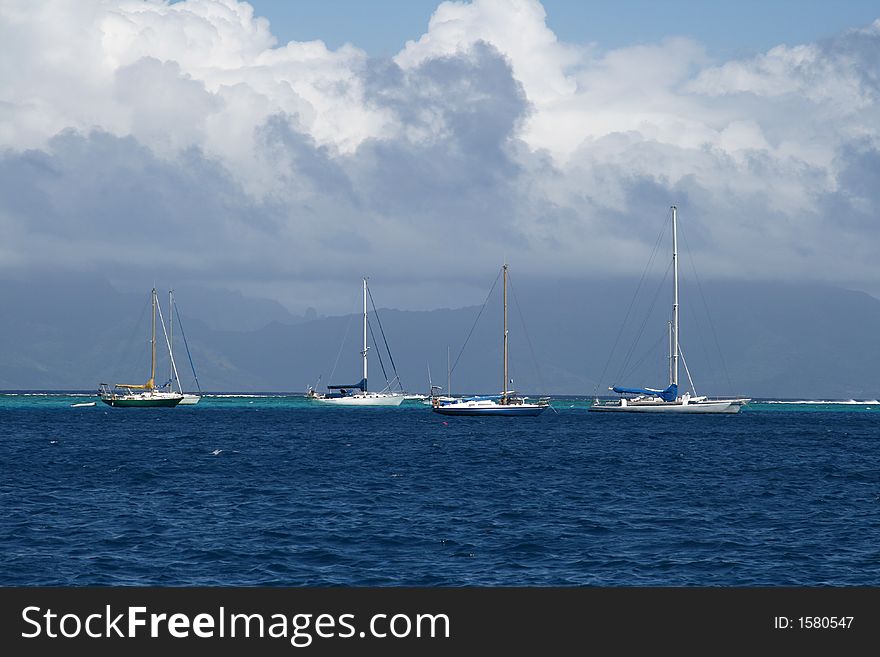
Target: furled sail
668	394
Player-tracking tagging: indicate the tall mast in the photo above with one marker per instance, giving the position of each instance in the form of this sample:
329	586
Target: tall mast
171	336
152	382
675	340
504	389
448	374
364	352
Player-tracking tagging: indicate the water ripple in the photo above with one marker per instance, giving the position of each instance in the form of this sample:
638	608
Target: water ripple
296	495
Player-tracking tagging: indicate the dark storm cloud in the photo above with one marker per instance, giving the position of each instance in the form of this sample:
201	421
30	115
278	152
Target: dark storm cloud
232	161
95	200
451	160
120	205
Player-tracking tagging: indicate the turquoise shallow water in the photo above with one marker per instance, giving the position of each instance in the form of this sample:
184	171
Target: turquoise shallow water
277	490
50	399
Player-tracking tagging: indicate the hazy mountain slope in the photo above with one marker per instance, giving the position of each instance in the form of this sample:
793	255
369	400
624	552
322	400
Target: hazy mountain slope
566	337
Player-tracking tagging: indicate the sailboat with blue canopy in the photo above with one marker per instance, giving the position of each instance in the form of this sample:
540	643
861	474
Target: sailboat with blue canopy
358	394
668	399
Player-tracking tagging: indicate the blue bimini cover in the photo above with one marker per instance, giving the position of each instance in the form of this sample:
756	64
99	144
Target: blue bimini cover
669	394
360	386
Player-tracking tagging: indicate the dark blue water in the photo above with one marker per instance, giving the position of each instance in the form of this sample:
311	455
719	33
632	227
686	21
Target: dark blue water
257	491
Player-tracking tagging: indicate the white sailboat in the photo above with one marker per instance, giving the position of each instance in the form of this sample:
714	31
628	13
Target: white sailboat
358	394
435	390
668	400
147	394
188	398
508	403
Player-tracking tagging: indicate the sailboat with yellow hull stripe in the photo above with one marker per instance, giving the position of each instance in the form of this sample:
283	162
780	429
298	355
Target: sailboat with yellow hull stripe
146	394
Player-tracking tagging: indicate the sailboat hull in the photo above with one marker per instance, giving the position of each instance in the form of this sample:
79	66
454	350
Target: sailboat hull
509	412
507	404
144	396
141	401
368	399
484	407
720	406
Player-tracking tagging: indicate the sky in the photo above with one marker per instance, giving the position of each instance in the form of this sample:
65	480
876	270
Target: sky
726	29
285	150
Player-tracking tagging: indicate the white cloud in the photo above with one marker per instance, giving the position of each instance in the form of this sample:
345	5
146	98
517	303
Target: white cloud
515	27
485	137
83	66
166	109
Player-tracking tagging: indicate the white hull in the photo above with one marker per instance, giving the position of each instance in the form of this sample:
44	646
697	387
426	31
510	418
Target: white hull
189	400
368	399
708	406
488	407
430	400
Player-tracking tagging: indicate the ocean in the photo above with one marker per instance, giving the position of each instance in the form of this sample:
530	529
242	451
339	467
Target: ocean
274	490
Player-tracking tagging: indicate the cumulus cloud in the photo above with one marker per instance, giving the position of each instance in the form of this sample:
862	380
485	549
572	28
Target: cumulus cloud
141	134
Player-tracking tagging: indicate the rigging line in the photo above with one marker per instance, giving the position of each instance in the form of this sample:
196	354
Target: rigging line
698	338
651	350
378	353
684	362
526	333
641	331
709	317
127	349
342	344
170	353
660	285
631	305
696	320
488	296
185	344
382	331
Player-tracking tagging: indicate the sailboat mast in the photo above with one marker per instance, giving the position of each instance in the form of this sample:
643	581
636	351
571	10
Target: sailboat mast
504	388
675	340
171	336
153	341
448	374
364	352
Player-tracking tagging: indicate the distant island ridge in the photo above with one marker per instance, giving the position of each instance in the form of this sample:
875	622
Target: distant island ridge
758	339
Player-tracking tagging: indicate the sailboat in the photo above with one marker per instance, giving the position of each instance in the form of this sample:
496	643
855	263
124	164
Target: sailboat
357	394
435	390
668	399
188	398
146	394
507	403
